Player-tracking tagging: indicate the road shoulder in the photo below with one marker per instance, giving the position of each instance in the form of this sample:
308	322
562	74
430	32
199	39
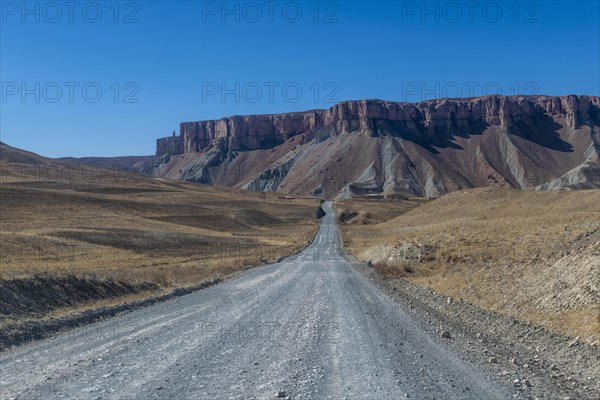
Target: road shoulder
538	362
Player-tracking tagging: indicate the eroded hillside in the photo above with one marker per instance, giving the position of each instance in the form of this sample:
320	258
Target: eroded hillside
375	147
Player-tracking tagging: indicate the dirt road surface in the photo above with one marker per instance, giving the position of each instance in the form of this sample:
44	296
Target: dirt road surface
309	327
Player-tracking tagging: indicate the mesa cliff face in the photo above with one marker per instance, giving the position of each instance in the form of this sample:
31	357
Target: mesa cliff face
509	139
430	118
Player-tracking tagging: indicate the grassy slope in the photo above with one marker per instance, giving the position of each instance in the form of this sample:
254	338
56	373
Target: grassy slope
65	226
532	255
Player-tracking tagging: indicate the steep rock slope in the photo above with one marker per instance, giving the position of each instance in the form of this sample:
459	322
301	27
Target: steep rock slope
380	147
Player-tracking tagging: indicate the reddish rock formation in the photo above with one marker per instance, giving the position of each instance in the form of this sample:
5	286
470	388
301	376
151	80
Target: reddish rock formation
380	147
427	118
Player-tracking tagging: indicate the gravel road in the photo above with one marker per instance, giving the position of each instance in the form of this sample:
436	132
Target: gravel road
310	327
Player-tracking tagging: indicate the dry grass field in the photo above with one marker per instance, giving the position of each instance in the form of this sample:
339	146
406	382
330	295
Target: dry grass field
528	254
75	236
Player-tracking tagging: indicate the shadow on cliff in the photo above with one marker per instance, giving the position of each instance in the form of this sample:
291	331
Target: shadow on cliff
542	131
431	137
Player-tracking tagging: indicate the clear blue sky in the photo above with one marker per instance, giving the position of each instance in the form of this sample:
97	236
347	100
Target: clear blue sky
157	64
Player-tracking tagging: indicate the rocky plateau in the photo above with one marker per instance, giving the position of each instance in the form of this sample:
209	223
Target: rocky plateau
383	148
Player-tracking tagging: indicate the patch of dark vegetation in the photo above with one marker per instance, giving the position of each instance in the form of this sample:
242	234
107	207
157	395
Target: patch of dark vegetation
40	295
121	190
390	270
346	216
257	218
161	242
213	222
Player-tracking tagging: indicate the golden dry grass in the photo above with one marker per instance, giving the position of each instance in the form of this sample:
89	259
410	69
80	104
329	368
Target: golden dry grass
65	220
529	254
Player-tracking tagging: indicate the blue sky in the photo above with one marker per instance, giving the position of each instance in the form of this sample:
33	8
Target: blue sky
107	78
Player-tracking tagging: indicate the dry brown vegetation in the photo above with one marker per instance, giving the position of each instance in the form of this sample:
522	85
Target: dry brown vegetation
67	226
528	254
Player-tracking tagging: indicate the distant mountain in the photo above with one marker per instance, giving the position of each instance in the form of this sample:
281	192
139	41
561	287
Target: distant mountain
17	165
15	155
376	147
123	163
9	154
